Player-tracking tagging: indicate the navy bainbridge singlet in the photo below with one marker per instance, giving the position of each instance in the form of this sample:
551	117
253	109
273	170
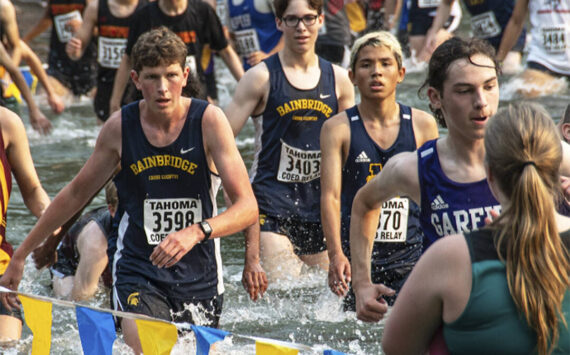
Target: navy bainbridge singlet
162	190
399	237
287	166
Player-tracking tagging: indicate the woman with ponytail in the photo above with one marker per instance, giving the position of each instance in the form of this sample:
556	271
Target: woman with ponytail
504	289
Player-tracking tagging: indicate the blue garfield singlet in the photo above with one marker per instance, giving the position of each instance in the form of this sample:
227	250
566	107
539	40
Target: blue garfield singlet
253	30
287	166
162	190
449	207
399	238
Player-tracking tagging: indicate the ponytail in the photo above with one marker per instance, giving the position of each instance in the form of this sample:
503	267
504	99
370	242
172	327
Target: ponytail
524	154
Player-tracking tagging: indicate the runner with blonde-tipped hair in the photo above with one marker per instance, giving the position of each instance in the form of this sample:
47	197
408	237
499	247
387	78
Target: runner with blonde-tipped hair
355	146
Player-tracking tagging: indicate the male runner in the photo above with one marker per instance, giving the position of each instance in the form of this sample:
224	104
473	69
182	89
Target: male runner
195	22
172	151
548	50
111	19
290	95
65	17
489	19
445	177
79	257
18	49
253	30
355	145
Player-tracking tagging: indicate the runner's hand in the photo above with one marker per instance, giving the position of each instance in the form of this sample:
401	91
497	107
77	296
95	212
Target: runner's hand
256	57
11	279
45	255
73	48
56	103
172	248
370	306
339	274
39	122
254	280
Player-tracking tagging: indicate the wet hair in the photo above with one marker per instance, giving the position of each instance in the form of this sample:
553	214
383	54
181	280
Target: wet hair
111	196
161	46
158	47
281	6
449	51
523	154
376	39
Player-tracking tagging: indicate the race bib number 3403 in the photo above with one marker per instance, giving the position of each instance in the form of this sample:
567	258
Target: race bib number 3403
393	221
164	216
297	165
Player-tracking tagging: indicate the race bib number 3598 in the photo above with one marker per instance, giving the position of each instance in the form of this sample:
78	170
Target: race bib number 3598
164	216
297	165
393	221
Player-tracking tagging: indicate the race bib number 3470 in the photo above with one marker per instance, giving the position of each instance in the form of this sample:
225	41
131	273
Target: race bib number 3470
393	221
165	216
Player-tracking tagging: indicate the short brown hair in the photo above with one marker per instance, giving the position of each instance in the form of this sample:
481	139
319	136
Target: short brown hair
158	47
281	6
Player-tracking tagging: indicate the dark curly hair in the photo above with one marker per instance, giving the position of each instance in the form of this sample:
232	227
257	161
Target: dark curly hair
448	52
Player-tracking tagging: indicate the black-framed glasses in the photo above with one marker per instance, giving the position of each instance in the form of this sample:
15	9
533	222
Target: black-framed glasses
293	21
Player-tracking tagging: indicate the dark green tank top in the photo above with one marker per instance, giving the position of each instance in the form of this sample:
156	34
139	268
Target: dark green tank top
491	323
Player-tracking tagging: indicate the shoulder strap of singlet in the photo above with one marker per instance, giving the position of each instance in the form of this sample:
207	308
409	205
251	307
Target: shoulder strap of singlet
197	107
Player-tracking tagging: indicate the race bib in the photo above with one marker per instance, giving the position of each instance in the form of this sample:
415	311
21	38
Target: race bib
62	28
110	51
164	216
393	225
485	25
554	39
297	165
191	63
246	41
422	4
222	11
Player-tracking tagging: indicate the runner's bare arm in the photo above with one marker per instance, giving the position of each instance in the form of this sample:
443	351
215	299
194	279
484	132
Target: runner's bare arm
230	57
399	177
513	29
119	85
442	14
425	127
76	45
344	88
8	21
37	119
20	159
258	56
44	23
335	140
223	155
94	174
249	97
31	58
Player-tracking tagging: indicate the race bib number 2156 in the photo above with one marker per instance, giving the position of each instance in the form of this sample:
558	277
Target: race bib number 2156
165	216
